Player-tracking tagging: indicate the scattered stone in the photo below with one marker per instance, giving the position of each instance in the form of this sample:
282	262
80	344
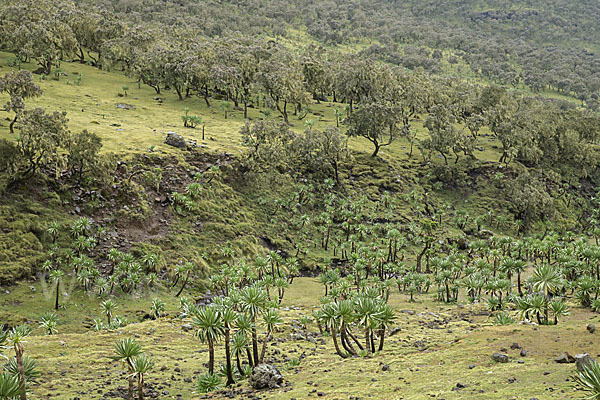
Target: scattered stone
564	358
583	360
515	346
385	367
471	366
266	376
186	327
499	357
591	328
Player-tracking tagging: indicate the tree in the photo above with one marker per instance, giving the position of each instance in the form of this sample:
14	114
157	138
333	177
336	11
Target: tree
210	329
376	122
367	312
443	135
56	277
329	317
254	300
141	366
271	319
19	86
83	152
48	321
108	307
280	75
36	33
228	315
328	148
91	30
42	136
385	318
187	268
127	350
16	338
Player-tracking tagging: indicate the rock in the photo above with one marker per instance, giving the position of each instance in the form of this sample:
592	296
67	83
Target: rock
124	106
173	139
591	328
187	327
523	353
564	358
499	357
266	376
515	346
385	367
582	360
485	234
395	330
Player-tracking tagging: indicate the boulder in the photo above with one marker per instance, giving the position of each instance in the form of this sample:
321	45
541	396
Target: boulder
499	357
582	360
485	234
173	139
266	376
564	358
591	328
187	327
124	106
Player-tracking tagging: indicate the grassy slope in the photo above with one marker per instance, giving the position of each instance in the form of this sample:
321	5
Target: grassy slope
92	106
434	372
78	364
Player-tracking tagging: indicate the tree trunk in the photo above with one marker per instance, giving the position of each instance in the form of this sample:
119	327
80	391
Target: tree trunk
254	345
349	332
420	257
12	123
21	370
140	388
57	293
184	284
249	355
345	342
368	340
377	147
230	380
381	338
238	363
335	342
264	347
130	388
